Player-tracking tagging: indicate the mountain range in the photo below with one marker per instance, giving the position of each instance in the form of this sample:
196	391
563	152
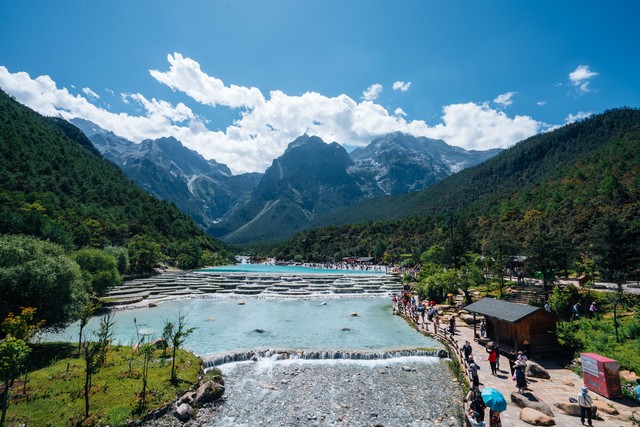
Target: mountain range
309	180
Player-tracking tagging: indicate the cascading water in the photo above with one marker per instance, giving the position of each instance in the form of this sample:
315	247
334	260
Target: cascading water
334	361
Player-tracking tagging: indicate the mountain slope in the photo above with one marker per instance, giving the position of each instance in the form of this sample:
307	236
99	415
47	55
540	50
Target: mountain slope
309	179
529	162
402	163
204	189
574	176
56	186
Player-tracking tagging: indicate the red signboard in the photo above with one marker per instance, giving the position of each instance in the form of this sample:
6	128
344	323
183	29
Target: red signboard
601	375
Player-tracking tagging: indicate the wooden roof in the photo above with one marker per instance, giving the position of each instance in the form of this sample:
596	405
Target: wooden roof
504	310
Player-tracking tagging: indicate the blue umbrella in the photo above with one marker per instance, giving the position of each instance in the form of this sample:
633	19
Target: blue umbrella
494	399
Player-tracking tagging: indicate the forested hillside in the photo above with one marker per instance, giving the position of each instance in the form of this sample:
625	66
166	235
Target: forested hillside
54	185
563	195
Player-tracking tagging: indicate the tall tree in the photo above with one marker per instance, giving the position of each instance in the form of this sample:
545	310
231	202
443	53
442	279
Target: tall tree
13	356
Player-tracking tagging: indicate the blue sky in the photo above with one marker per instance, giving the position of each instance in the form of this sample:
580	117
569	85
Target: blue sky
238	80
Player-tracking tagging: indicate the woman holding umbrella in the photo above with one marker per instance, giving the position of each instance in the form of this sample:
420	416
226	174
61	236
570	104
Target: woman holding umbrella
496	403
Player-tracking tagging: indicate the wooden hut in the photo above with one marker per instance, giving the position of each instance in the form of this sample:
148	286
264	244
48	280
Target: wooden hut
512	325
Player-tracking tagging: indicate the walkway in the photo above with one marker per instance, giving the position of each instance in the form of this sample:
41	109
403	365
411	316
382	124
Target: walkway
563	385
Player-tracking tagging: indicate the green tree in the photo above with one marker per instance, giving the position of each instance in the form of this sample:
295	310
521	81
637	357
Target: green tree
190	255
121	254
144	254
99	268
38	274
499	247
13	356
176	334
146	351
94	354
86	312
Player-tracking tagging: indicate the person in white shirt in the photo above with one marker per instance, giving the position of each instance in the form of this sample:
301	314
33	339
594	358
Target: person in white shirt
585	402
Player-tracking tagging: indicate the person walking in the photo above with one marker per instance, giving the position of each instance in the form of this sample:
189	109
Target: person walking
585	402
521	377
575	311
466	350
592	310
473	373
493	358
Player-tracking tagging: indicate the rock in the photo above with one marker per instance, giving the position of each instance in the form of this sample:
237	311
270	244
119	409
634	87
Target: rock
184	412
605	407
628	375
208	392
573	409
187	398
346	329
159	343
254	358
468	319
241	303
536	418
443	354
152	304
530	400
354	314
536	371
323	303
259	331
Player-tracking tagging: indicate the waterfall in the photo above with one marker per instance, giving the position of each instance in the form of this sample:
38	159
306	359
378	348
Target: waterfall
275	354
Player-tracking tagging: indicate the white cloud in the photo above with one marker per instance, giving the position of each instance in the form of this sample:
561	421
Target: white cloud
504	99
479	127
110	91
401	86
266	125
372	92
580	115
185	75
580	78
91	94
541	103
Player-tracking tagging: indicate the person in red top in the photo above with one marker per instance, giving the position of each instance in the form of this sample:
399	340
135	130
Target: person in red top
493	359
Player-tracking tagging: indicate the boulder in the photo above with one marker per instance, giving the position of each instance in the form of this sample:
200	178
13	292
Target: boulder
605	407
468	319
536	418
354	314
152	305
208	392
187	398
443	354
159	343
628	375
184	412
531	401
536	371
573	409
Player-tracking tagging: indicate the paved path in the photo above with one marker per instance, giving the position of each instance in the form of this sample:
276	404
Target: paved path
562	385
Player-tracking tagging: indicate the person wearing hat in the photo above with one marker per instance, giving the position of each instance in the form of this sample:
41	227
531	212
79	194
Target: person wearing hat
585	402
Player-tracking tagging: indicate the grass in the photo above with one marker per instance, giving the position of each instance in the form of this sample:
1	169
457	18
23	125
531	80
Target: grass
54	393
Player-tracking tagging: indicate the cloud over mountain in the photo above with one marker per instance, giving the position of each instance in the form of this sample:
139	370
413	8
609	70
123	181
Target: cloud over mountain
265	123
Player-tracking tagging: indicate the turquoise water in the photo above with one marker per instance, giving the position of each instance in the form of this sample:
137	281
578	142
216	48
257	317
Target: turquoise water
223	325
291	269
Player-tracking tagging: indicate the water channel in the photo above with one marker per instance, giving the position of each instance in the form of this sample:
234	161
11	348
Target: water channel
339	360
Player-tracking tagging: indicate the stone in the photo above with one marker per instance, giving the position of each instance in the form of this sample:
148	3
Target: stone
152	305
628	375
241	303
573	409
468	319
536	371
184	412
605	407
208	392
354	314
536	418
530	400
159	343
187	398
443	354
